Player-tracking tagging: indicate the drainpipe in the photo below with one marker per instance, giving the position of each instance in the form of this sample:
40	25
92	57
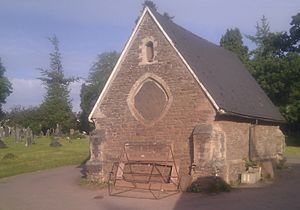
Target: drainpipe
251	136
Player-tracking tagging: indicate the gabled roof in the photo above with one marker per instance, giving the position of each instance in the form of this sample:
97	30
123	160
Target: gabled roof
220	73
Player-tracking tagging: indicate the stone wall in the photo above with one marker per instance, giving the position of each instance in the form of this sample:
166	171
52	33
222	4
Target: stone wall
186	104
209	154
267	142
227	145
182	115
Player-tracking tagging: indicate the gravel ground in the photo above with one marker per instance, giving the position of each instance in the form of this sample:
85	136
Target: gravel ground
59	189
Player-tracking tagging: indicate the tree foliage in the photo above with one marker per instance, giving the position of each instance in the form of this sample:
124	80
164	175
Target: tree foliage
91	89
274	63
276	66
150	4
25	117
153	7
5	88
56	107
232	40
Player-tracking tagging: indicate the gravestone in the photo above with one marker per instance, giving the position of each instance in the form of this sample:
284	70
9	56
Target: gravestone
48	132
22	134
28	137
1	132
55	138
2	144
55	142
72	131
12	131
17	134
57	130
6	131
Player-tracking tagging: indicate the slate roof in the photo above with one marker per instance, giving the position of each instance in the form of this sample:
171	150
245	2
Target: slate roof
222	73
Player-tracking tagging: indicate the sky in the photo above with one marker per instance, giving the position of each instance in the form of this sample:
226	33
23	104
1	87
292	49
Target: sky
90	27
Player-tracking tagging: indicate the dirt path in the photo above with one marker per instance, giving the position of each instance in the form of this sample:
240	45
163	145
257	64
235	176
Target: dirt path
58	189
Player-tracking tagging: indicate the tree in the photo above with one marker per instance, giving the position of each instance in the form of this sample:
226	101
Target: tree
295	34
289	42
25	117
5	88
232	40
275	64
56	107
91	89
153	7
150	4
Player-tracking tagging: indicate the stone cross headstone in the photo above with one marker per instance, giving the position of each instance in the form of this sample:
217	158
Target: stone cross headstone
57	131
55	138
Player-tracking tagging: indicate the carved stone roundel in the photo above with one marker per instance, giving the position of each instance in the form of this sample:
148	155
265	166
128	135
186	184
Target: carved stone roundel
149	99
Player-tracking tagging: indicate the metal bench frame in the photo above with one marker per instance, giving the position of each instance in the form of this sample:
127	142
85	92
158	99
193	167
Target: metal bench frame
161	180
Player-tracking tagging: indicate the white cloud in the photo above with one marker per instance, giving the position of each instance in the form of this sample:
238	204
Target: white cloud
26	92
75	95
30	92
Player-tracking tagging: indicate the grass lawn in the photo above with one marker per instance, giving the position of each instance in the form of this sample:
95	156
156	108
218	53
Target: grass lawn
293	145
41	156
292	150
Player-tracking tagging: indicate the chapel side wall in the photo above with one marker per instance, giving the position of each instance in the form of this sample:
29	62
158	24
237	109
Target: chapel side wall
189	107
249	141
237	147
268	142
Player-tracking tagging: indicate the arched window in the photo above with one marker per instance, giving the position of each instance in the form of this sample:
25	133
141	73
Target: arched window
149	51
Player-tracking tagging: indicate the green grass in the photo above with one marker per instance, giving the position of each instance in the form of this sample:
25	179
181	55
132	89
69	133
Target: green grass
293	145
292	150
40	156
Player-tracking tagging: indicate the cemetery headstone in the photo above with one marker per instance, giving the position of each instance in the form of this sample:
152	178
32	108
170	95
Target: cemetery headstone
2	144
57	131
28	137
55	142
12	131
1	132
17	134
6	131
22	134
72	131
55	138
48	132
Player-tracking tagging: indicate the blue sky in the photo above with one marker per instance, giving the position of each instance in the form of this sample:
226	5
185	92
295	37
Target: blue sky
90	27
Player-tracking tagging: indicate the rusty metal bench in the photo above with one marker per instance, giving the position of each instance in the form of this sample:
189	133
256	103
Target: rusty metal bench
148	167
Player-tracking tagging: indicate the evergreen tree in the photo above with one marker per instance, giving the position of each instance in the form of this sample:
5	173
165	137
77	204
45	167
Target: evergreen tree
153	7
232	40
5	88
275	64
150	4
56	107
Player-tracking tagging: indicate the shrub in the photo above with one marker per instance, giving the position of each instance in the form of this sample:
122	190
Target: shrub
209	185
